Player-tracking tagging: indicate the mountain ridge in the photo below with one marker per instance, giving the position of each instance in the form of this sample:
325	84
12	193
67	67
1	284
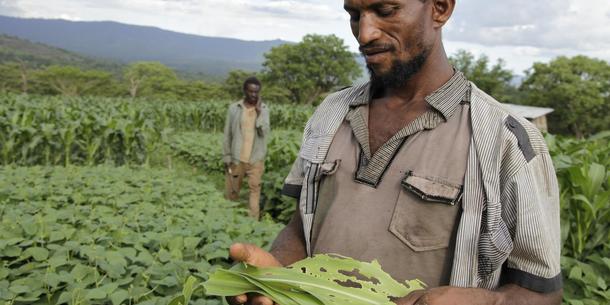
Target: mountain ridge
128	43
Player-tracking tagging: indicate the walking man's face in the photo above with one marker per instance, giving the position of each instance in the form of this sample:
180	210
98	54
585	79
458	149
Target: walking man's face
394	36
251	93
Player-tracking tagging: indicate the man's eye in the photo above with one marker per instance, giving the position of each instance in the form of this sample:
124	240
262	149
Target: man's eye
386	11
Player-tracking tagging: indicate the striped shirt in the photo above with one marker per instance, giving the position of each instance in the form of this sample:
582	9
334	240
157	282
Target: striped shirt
509	228
443	101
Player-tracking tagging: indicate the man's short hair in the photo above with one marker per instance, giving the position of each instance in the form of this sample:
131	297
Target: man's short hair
252	80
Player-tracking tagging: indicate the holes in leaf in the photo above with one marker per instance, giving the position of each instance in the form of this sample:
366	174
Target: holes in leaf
349	284
359	276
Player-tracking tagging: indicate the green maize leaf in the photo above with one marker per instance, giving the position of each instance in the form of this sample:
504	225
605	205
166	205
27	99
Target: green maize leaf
322	279
189	288
369	275
597	175
281	293
225	283
179	300
326	291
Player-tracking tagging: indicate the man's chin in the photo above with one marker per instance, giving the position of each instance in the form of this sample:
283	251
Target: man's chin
376	70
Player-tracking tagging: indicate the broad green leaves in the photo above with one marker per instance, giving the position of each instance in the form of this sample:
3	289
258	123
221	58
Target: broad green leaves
204	152
105	235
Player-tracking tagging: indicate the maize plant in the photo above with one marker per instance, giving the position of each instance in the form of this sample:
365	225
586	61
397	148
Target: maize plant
72	131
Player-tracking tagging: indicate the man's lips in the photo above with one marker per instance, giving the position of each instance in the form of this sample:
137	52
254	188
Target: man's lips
374	54
374	51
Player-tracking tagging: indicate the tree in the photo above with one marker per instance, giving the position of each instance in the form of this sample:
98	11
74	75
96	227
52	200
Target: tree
495	80
15	77
200	91
10	80
270	92
146	78
72	81
310	68
234	84
578	88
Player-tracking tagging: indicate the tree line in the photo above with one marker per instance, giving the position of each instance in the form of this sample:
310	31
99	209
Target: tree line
578	88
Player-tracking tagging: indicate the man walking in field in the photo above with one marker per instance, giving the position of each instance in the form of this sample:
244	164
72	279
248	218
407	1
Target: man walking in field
422	171
245	145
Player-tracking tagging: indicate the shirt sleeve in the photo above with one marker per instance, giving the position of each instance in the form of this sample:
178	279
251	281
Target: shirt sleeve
263	126
531	207
294	181
227	139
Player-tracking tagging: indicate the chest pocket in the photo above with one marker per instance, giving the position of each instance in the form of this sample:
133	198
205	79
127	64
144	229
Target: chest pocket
426	213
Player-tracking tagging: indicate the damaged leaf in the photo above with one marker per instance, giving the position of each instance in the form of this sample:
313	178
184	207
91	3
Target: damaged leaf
320	280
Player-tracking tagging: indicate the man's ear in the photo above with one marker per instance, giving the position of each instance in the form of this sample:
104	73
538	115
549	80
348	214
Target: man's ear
441	11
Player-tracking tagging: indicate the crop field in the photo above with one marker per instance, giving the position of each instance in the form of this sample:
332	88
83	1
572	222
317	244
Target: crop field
119	201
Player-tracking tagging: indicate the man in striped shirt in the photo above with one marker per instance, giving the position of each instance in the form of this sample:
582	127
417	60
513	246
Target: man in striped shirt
420	169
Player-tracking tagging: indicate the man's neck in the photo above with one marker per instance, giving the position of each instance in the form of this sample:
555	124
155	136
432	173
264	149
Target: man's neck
436	71
249	103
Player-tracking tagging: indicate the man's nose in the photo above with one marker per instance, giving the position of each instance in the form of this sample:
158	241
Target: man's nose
368	29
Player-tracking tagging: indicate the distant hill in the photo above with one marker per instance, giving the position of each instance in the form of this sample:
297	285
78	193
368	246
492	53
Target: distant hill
128	43
13	49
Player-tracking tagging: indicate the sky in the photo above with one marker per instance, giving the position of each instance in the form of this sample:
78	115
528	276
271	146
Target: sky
520	32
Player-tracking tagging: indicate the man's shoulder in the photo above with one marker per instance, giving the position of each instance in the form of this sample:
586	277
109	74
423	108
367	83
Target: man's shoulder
234	105
341	99
487	112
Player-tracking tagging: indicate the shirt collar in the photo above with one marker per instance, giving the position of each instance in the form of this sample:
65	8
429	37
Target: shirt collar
444	99
242	102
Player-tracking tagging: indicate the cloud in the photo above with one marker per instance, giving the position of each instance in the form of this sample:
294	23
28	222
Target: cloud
10	8
555	24
520	31
308	10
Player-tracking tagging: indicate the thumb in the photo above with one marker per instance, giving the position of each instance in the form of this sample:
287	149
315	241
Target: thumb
252	255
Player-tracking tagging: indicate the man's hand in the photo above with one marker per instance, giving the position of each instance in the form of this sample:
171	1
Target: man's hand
258	107
506	295
445	296
254	256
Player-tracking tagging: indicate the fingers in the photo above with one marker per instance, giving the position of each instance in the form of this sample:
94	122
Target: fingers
237	300
261	300
251	299
413	298
253	255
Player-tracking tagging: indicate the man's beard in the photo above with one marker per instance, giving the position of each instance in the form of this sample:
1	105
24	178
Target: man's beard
400	72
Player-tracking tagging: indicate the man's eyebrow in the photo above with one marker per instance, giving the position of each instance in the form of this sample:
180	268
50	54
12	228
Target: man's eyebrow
379	4
375	5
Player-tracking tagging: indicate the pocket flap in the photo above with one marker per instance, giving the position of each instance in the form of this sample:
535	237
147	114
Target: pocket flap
432	189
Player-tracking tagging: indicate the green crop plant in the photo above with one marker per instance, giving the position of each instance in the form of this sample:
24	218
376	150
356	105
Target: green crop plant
319	280
583	172
86	131
105	235
204	152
